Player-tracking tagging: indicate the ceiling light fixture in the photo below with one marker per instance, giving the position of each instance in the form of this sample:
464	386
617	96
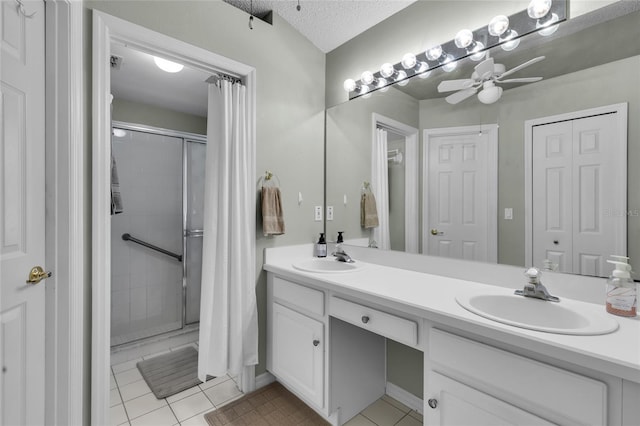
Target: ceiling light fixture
167	66
490	93
503	31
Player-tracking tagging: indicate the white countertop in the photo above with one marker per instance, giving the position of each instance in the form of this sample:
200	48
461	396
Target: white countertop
433	297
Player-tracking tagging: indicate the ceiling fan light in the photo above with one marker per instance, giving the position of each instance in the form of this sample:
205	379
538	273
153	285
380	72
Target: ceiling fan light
490	94
167	66
498	25
349	85
387	70
463	39
367	77
510	41
409	61
434	53
548	27
538	8
449	64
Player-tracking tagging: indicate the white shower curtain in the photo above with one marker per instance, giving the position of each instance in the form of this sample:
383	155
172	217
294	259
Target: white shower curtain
380	183
228	310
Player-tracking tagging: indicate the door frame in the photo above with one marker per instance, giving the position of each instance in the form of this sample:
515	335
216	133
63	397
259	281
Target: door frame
65	205
106	29
492	182
619	188
411	220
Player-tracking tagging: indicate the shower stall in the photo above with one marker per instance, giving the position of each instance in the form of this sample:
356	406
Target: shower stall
156	242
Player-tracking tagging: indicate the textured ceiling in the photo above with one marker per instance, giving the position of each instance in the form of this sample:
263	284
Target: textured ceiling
327	23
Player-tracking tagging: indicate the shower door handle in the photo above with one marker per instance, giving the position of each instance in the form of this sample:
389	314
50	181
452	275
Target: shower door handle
194	233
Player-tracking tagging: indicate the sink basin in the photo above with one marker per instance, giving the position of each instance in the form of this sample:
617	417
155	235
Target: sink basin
327	265
564	317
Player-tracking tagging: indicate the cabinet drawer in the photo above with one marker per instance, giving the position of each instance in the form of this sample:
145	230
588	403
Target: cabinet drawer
379	322
303	297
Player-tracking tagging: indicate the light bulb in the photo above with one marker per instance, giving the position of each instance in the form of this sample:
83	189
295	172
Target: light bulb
538	8
511	41
167	66
463	39
449	64
434	53
382	82
423	70
402	78
409	61
387	70
498	25
548	27
349	85
478	53
364	89
367	77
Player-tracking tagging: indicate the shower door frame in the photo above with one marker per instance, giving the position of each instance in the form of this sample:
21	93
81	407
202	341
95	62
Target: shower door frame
186	137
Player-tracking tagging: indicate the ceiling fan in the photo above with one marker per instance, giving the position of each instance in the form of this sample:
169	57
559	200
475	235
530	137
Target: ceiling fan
485	77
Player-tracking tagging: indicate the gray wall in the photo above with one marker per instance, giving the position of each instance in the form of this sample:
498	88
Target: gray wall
151	115
571	92
290	111
349	143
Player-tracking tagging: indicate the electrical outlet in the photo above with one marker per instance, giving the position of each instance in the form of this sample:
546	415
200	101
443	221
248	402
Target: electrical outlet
329	212
318	213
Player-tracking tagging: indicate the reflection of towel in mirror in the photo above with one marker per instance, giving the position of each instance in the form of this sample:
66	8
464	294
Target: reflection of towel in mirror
368	211
272	214
116	198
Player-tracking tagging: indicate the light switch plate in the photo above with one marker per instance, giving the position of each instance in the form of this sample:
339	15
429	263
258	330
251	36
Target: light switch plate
329	212
508	213
318	213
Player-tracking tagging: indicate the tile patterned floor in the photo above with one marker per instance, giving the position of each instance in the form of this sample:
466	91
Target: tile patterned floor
133	403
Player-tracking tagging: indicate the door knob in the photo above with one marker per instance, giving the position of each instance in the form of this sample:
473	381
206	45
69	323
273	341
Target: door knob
434	231
37	274
365	319
433	403
316	342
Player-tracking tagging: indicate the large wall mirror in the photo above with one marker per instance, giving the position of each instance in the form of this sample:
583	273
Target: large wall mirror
505	182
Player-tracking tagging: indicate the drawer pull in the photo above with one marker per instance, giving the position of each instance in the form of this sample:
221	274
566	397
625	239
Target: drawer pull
316	342
365	319
433	403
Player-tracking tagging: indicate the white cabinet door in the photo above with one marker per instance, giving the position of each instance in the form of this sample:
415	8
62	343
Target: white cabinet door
22	212
297	353
452	403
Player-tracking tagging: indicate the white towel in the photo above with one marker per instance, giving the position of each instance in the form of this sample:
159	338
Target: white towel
116	198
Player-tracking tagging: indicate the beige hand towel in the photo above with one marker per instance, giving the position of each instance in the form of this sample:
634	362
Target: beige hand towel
272	214
368	211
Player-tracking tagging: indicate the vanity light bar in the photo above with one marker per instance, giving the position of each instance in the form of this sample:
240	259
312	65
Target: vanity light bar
531	20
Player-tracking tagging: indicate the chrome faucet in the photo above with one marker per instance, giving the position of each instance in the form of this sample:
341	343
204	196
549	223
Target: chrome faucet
341	256
534	287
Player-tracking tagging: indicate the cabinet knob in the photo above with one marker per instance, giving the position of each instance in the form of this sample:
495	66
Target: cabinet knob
365	319
316	342
433	403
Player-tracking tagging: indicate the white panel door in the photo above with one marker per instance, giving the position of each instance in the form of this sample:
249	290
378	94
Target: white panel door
552	195
22	210
575	206
298	352
455	404
457	196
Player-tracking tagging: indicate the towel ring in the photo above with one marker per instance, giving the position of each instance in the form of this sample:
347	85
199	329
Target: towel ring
268	178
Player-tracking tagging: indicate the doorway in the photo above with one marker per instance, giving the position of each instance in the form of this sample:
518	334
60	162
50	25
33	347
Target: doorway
460	186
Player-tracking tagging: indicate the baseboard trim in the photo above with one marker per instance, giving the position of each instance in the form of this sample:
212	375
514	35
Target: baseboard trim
407	398
264	379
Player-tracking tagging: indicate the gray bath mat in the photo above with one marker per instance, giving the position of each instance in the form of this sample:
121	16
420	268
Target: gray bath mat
172	372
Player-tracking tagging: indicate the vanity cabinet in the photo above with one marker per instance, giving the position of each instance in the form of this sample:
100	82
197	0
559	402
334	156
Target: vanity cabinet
469	382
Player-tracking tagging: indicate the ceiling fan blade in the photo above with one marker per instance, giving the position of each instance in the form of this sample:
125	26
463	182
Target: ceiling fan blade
521	66
520	80
485	69
451	85
461	95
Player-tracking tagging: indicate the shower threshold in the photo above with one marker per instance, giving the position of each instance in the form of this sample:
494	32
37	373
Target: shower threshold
154	344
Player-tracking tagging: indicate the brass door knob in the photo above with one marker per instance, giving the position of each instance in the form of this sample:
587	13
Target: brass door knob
434	231
37	274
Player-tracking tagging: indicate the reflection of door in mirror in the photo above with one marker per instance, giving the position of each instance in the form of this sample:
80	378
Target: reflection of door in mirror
579	207
460	185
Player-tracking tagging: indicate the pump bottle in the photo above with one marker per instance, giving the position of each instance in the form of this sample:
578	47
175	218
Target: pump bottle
321	247
621	289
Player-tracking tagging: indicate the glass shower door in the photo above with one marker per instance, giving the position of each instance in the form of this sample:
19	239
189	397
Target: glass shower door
194	204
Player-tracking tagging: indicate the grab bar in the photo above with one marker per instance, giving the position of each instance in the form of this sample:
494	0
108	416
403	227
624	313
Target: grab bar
128	237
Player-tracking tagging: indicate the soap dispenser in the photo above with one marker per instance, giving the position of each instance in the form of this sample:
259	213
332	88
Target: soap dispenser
321	247
340	238
621	289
